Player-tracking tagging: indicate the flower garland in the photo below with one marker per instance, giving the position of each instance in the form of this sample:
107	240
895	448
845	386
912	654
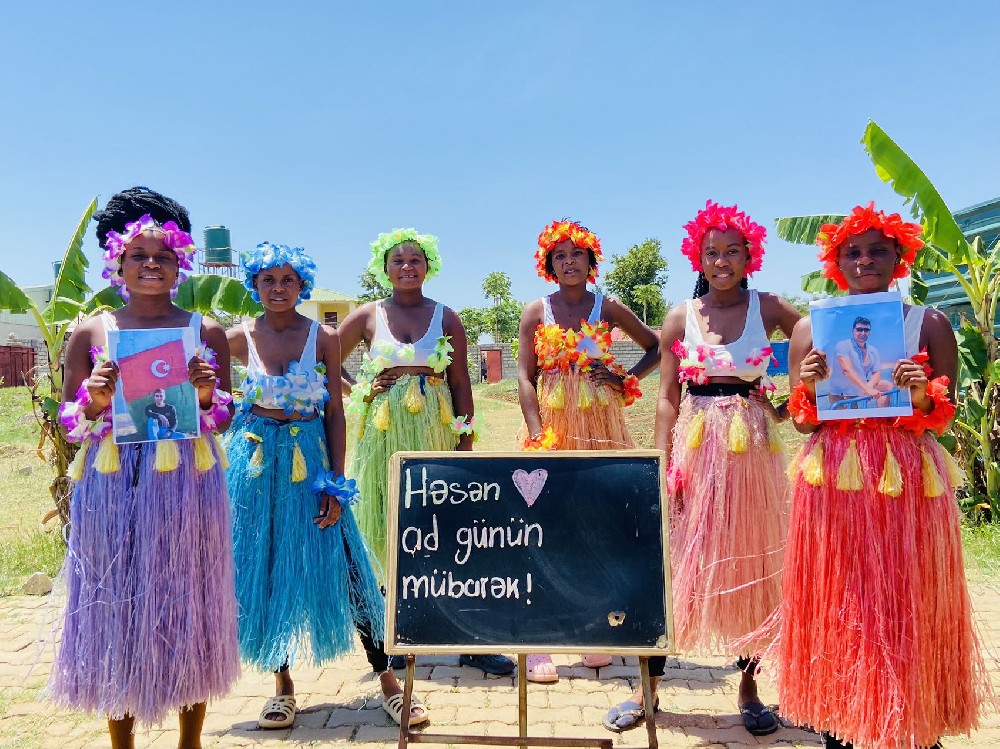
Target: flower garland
547	440
462	425
386	241
696	359
381	356
301	389
336	485
267	255
560	231
722	218
862	219
173	238
440	358
558	349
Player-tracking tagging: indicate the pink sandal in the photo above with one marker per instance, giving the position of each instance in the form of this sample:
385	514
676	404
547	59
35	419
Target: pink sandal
541	669
596	660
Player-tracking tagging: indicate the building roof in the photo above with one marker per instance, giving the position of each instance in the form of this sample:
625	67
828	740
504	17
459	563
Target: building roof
325	295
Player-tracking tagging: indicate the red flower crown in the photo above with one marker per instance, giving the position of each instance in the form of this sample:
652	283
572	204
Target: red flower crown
722	218
560	231
831	236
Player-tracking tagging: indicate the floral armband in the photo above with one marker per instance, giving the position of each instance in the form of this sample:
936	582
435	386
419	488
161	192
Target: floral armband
337	485
547	440
938	418
802	407
78	427
630	383
217	411
461	425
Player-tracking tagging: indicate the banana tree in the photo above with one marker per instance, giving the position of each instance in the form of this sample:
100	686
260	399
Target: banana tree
976	268
72	301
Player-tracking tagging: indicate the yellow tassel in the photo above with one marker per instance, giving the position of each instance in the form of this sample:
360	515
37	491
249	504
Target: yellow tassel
696	430
557	398
956	475
812	465
107	456
585	395
891	482
413	400
793	467
444	409
75	470
933	483
299	471
381	420
204	458
602	395
849	477
168	457
257	461
774	439
221	449
739	436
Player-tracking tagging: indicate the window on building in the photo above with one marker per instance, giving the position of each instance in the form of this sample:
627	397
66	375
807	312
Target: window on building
330	318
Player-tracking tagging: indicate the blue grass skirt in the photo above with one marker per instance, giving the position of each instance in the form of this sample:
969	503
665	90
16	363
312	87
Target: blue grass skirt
300	588
150	623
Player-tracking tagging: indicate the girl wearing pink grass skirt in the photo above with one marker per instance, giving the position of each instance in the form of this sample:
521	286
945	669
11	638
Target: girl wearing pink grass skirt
876	643
726	482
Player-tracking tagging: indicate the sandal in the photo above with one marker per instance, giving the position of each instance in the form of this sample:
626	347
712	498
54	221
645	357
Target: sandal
627	715
758	720
283	705
541	669
394	706
596	660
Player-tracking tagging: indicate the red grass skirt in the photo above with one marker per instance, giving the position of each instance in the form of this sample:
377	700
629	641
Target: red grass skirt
877	644
728	518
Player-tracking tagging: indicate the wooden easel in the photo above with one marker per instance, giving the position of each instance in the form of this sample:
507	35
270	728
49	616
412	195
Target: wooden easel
406	736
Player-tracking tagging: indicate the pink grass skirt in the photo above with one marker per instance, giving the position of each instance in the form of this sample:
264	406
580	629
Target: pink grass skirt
728	519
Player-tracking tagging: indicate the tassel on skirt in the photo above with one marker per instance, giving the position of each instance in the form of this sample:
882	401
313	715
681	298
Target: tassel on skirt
877	644
728	520
150	623
415	414
583	416
301	589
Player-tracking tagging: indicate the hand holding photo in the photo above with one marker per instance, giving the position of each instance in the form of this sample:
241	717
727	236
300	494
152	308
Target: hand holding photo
862	337
154	400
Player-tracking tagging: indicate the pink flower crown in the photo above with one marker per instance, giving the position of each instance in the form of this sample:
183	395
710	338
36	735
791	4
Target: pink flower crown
721	217
114	247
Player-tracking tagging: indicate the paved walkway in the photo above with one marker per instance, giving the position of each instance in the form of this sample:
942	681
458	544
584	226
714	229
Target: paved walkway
341	705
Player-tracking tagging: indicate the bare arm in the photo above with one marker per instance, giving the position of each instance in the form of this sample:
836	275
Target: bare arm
351	332
624	318
778	314
78	367
527	367
805	364
938	338
213	334
668	399
458	372
238	344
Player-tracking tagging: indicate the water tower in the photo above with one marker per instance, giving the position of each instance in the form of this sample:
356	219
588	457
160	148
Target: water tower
217	257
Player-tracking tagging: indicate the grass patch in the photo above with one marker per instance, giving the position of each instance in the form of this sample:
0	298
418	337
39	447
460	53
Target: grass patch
981	544
35	551
17	422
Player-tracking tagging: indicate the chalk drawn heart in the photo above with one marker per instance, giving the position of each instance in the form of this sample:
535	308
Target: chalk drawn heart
530	484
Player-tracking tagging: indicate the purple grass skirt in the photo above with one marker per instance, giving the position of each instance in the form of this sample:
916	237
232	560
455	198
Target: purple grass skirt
150	622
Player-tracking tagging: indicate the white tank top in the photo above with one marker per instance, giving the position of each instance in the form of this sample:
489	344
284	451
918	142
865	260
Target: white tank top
732	359
299	389
415	354
913	321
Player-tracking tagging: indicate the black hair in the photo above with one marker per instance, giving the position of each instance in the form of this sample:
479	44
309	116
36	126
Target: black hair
134	203
861	321
701	286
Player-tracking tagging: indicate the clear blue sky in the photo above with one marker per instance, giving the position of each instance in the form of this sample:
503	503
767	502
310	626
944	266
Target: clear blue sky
322	124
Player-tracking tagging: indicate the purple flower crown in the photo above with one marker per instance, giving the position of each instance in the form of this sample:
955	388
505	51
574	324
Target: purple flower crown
173	238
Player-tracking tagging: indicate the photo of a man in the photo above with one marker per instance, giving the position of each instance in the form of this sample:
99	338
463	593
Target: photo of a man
161	418
856	372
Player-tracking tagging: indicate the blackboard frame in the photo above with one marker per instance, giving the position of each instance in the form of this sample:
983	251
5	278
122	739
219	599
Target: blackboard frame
665	643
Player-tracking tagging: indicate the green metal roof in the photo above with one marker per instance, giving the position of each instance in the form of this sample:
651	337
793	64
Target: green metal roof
325	295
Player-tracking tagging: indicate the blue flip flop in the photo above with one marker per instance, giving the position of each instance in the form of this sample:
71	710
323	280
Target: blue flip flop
622	717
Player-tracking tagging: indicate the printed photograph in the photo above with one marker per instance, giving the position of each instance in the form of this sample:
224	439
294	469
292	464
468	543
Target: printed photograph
863	339
154	400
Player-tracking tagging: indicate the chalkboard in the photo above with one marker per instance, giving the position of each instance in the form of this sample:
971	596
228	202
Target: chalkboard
526	552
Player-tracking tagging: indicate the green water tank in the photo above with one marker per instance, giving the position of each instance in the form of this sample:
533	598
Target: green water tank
218	247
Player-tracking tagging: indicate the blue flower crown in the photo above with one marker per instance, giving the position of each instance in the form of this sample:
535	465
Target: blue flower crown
267	255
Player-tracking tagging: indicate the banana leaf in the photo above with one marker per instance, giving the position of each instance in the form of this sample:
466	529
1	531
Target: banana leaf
71	290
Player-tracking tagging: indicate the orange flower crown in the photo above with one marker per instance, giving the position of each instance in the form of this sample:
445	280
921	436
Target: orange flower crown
831	236
560	231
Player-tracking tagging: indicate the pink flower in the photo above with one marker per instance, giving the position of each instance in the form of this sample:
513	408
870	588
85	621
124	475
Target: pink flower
759	355
679	349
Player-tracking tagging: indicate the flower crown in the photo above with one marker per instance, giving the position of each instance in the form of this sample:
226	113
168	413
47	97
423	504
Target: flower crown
560	231
385	242
831	236
721	217
173	238
267	255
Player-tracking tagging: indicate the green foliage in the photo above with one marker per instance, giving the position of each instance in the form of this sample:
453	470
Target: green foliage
496	286
371	289
631	275
501	319
804	230
474	322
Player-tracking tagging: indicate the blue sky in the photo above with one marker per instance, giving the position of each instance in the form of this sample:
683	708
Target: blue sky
321	124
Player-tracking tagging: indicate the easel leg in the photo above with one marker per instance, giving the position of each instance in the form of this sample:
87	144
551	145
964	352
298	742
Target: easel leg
404	723
647	701
522	697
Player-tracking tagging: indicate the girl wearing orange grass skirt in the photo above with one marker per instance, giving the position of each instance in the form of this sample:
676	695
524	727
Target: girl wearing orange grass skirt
571	390
726	482
876	643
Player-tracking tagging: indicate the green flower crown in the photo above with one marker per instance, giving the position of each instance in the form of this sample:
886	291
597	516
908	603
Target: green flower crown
385	242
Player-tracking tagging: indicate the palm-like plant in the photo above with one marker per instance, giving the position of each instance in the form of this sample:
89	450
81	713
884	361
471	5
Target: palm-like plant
977	269
72	300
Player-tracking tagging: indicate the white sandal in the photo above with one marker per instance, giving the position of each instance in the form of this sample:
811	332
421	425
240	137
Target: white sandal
284	705
394	706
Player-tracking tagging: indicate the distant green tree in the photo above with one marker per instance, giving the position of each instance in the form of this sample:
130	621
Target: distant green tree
371	289
496	286
503	320
641	267
474	322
